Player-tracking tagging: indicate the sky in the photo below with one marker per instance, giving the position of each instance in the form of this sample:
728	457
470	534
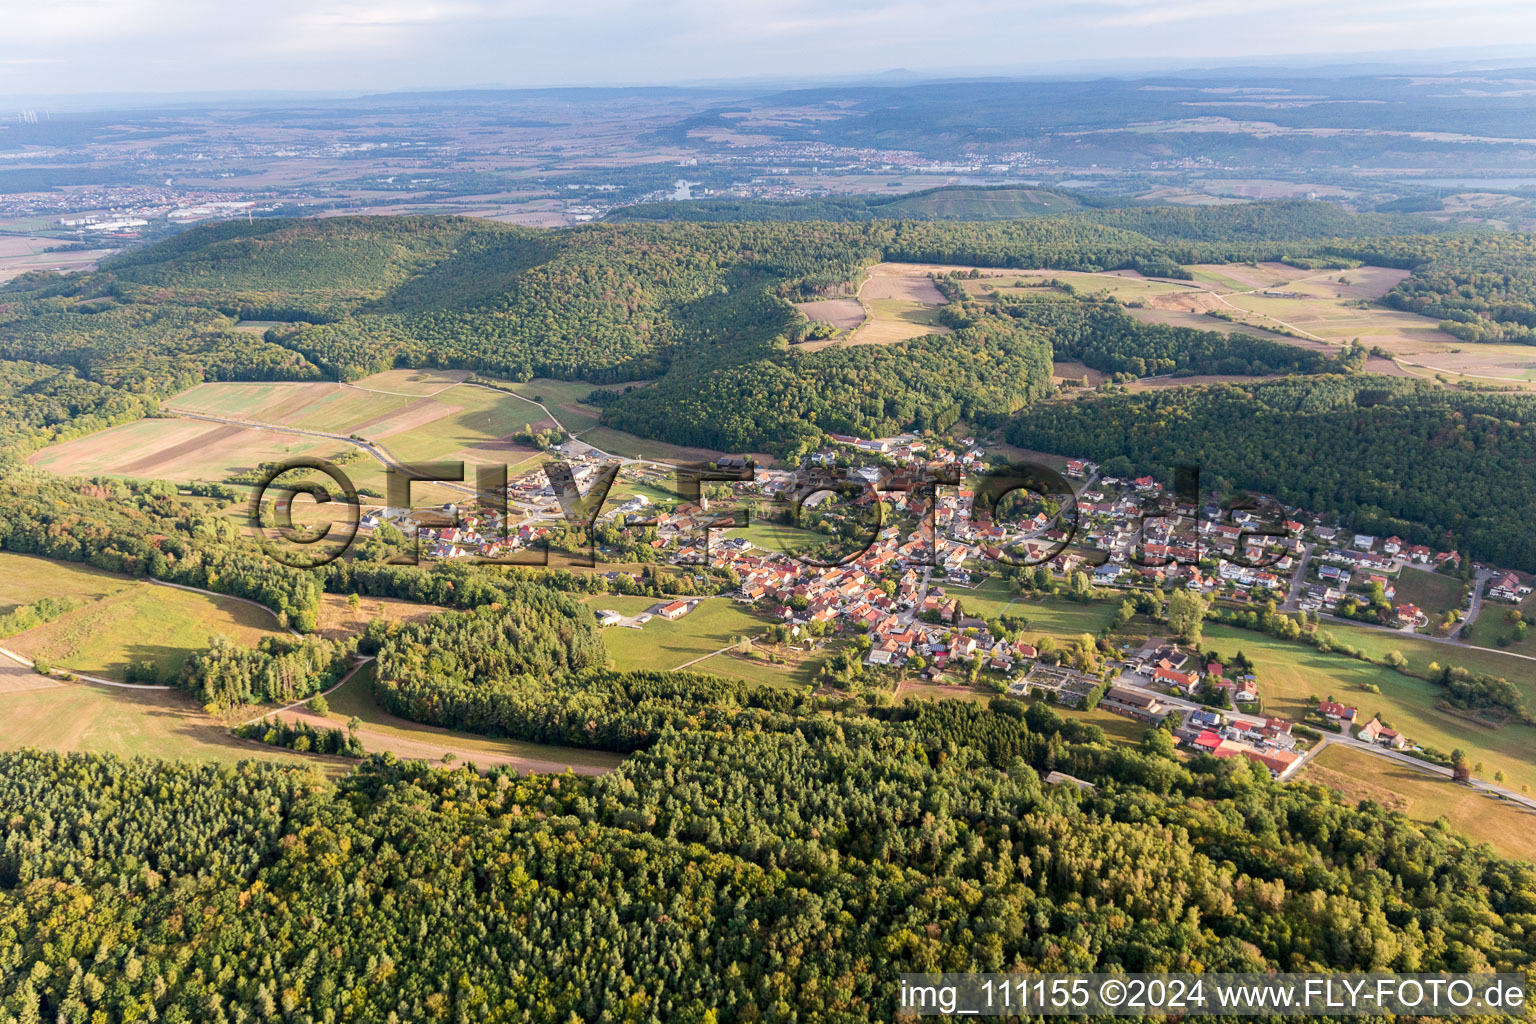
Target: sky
52	47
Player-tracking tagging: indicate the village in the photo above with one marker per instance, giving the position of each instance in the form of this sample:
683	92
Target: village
900	590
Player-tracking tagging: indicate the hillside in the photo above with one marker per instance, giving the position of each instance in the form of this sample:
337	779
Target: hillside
706	311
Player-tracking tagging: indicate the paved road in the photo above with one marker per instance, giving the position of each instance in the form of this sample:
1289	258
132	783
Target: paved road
373	448
1294	594
1481	785
18	659
1479	582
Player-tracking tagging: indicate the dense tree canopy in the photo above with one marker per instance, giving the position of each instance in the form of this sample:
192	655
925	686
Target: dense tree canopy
1387	454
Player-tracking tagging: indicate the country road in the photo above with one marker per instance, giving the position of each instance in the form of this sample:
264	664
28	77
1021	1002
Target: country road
373	448
1481	785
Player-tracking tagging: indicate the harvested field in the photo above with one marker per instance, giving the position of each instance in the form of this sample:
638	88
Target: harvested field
412	382
339	619
448	420
179	450
15	678
900	281
126	722
898	301
844	314
1356	775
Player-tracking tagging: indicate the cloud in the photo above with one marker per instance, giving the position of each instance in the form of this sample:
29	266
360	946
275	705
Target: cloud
205	45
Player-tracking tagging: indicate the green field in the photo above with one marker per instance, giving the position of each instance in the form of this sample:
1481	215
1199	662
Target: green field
130	723
1289	672
1492	624
1124	289
1059	618
762	671
1508	828
138	623
989	599
1421	651
660	644
25	578
1435	593
566	400
454	421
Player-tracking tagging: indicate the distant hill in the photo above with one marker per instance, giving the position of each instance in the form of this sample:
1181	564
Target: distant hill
967	202
972	203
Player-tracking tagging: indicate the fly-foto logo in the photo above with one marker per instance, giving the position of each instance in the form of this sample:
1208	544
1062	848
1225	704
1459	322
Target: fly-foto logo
824	516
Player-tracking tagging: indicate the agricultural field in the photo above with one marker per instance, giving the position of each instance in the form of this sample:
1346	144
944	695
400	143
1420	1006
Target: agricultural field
566	400
714	623
1355	775
20	255
1420	651
844	314
141	622
1312	309
338	619
25	578
446	420
898	301
1124	285
1290	672
126	722
1342	305
184	450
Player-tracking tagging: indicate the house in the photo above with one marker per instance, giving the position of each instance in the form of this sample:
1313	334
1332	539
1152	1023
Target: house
1207	741
1186	683
1409	615
1133	704
1062	778
1280	763
676	610
1335	712
607	617
1374	732
1508	588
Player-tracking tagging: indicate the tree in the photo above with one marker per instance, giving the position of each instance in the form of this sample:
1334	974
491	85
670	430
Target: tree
1461	771
1124	614
1186	615
319	705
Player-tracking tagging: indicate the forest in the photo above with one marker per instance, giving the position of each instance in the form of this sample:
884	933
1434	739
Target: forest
704	308
1389	455
787	869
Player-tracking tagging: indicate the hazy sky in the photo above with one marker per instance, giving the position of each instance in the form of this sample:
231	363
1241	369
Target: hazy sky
64	46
